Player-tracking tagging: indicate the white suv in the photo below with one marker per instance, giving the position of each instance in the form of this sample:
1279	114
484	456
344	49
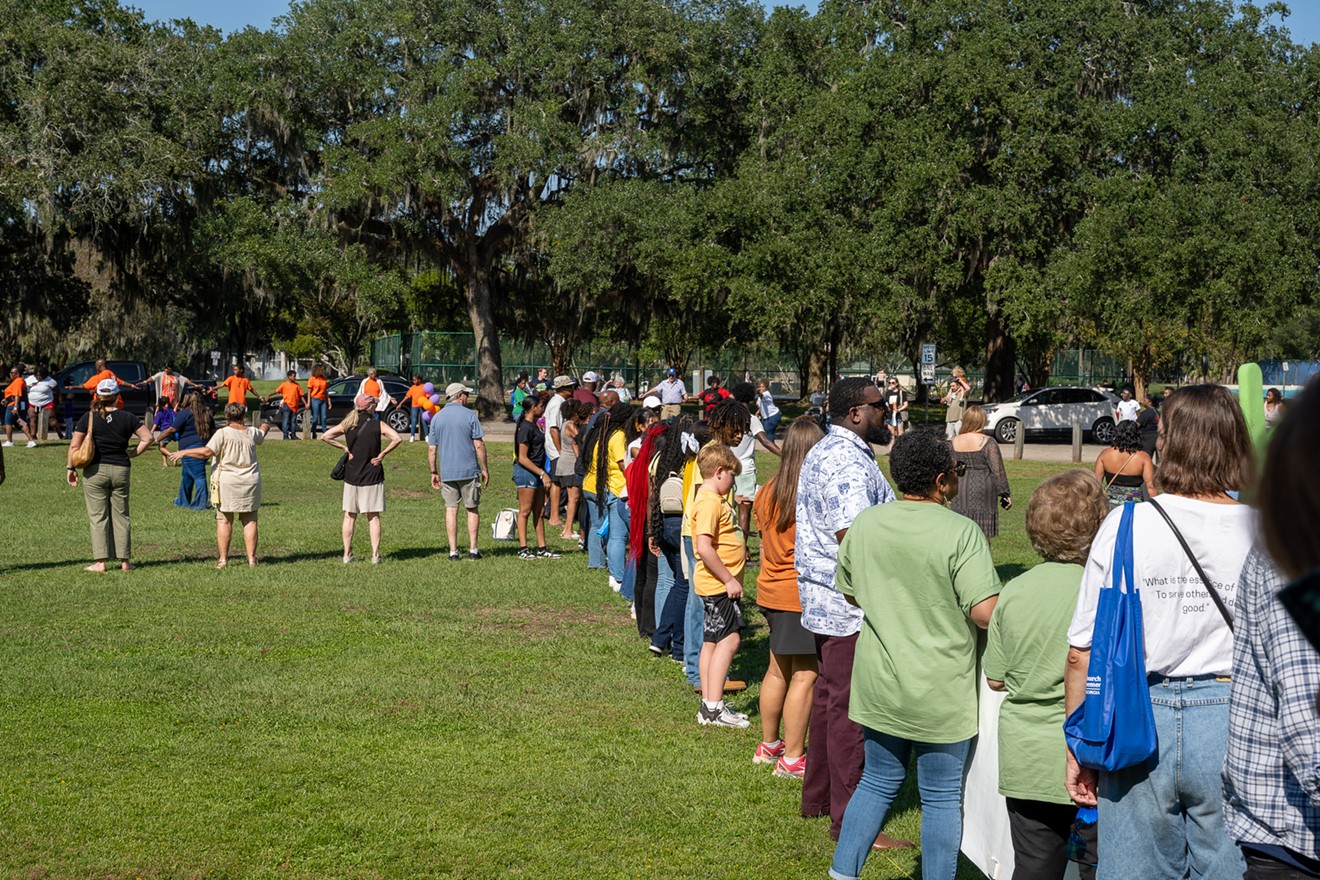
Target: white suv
1053	411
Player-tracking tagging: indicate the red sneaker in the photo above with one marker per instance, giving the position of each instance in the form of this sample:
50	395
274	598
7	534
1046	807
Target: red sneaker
791	769
765	754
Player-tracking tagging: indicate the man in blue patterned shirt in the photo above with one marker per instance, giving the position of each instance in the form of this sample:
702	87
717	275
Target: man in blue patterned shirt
1272	771
839	479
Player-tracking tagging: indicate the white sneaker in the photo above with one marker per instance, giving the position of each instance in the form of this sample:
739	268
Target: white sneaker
9	443
632	610
721	718
614	585
412	439
32	444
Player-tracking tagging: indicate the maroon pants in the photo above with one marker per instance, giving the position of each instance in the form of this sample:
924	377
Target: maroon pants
837	755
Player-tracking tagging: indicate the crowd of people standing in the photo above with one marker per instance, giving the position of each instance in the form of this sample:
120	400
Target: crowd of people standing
874	592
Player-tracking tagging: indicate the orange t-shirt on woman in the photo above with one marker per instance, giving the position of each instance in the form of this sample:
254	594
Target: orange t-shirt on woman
776	585
417	396
316	387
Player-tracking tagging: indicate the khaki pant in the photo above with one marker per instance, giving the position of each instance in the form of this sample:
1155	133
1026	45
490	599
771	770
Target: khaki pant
105	489
669	410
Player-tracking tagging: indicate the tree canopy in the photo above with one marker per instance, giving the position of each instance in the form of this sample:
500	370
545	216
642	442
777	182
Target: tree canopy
1005	178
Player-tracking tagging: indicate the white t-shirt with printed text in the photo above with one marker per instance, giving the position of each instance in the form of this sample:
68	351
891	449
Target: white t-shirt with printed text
1184	632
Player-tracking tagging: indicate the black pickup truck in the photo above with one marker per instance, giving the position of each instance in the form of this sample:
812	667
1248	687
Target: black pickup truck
141	401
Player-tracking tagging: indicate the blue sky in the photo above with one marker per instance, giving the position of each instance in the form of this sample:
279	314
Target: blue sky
234	15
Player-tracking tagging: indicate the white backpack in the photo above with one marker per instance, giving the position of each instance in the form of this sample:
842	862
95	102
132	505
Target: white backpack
503	527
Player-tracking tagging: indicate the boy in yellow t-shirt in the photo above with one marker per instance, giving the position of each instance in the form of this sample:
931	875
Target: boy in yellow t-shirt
721	552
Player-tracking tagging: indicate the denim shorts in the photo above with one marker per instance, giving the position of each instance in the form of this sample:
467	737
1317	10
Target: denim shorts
525	479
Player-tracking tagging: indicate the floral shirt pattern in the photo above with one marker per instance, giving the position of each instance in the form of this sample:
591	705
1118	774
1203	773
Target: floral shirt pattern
839	479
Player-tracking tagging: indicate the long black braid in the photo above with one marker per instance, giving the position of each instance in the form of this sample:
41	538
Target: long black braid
670	457
614	419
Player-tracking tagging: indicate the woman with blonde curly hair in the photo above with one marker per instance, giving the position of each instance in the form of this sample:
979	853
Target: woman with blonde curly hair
1028	639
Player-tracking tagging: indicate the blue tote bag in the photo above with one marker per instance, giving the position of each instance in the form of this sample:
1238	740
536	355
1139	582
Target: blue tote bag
1114	727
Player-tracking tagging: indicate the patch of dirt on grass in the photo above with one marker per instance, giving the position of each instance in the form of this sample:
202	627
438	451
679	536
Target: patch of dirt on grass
538	623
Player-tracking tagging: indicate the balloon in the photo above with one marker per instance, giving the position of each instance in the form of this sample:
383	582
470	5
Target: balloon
435	398
429	388
426	416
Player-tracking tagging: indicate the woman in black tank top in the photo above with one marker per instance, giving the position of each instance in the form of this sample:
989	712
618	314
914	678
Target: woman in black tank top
364	475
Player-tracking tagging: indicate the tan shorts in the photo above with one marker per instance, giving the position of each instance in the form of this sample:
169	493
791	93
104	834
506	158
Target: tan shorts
364	499
467	491
669	410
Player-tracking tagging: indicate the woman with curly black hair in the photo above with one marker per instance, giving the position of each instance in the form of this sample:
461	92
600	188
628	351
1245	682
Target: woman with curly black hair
925	581
1124	469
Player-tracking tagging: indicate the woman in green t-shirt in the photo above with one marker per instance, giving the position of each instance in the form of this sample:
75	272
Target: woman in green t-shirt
924	577
1024	655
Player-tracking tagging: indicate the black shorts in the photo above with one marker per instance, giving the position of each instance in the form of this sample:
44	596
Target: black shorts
723	617
787	634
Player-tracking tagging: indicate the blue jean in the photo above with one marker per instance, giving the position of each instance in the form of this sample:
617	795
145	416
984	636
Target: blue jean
670	631
193	491
318	409
1163	819
772	424
415	421
616	548
595	549
694	619
288	421
939	780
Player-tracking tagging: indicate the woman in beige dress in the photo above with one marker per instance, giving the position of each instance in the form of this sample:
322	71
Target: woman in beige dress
236	479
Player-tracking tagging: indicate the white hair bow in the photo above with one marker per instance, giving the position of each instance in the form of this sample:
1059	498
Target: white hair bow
690	443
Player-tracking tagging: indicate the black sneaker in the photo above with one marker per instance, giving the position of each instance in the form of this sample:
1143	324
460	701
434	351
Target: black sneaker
547	553
454	557
526	553
473	555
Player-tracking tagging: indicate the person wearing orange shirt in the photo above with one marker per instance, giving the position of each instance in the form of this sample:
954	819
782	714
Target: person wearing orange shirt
292	393
318	398
238	385
15	392
375	388
417	398
103	373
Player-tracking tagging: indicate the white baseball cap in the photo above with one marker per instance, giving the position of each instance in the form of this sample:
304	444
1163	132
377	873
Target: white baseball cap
107	388
651	402
590	376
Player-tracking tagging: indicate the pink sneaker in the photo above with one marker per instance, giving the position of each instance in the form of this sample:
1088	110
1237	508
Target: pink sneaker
794	769
765	754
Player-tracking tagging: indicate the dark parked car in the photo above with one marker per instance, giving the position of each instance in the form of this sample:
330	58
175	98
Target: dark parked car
341	393
140	401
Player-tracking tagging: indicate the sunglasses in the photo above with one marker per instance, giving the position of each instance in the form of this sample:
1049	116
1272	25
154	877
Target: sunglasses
959	468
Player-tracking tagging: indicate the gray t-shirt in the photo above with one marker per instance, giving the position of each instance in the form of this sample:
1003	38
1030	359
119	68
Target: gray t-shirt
452	431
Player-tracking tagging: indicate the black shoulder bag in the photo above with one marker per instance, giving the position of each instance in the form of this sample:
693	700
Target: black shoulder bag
1214	594
340	470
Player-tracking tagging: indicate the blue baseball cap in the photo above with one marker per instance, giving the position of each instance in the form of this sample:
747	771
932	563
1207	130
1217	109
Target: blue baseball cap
673	372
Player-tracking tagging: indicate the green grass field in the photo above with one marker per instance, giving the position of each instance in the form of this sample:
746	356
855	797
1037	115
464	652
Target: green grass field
307	719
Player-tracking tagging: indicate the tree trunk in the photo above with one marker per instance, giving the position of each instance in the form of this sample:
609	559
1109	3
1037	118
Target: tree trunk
817	366
561	355
1000	358
490	371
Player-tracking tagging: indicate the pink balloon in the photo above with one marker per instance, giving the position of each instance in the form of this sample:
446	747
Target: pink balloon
435	398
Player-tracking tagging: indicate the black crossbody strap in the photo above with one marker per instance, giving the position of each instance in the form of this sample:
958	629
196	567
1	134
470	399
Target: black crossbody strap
1214	594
